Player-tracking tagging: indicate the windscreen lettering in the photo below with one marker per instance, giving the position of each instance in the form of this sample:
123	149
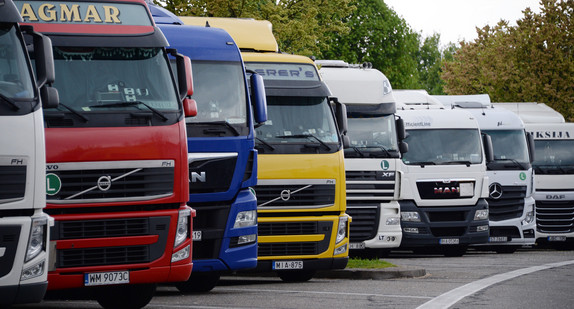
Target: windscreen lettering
84	13
284	71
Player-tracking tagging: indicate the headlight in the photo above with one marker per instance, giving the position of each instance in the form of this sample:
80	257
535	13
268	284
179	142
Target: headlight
182	232
36	241
393	221
245	218
481	214
529	218
412	216
342	230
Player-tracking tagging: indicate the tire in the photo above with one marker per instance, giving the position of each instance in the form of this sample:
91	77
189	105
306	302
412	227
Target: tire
454	251
198	283
505	249
134	296
296	275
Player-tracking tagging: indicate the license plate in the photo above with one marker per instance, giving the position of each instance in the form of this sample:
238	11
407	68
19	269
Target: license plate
498	239
449	241
288	265
107	278
556	238
197	235
357	245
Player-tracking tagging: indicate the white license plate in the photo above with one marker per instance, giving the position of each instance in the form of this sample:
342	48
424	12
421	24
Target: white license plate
107	278
287	264
197	235
556	238
497	239
357	245
449	241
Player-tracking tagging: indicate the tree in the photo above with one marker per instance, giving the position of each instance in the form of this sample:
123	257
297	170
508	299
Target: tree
530	62
431	57
378	36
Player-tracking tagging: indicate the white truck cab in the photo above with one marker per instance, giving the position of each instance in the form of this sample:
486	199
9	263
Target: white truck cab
444	187
554	172
510	202
372	157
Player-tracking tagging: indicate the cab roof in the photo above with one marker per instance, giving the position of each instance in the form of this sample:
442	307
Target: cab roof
532	112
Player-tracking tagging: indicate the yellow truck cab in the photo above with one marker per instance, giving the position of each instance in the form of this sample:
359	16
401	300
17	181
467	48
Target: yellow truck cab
300	191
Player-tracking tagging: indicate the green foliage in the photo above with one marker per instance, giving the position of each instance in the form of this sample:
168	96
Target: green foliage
366	263
530	62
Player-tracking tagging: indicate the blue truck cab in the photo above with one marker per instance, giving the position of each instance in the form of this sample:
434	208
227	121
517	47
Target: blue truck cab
223	161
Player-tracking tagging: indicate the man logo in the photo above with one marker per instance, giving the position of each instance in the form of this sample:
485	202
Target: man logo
495	191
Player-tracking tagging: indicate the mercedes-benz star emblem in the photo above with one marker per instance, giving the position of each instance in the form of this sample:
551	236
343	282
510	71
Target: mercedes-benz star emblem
495	190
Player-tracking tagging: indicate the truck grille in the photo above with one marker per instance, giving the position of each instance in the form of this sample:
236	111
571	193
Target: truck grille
9	235
295	195
365	220
12	182
210	219
370	185
294	228
86	183
211	175
509	205
113	228
555	216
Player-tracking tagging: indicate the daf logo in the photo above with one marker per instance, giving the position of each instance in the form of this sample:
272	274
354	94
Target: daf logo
495	191
555	196
104	183
285	195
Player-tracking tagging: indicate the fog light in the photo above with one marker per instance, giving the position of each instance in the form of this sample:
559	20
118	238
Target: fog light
181	254
481	214
342	249
245	239
393	221
482	228
32	272
529	218
411	230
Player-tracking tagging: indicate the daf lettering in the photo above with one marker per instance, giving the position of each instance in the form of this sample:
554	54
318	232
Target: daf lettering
555	196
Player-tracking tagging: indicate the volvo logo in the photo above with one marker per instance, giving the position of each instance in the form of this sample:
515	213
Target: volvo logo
104	183
285	195
495	190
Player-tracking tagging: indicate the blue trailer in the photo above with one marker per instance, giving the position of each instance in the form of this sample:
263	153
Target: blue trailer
223	161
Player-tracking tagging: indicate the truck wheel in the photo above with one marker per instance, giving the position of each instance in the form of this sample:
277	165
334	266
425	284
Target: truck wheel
198	283
454	251
506	249
134	296
296	275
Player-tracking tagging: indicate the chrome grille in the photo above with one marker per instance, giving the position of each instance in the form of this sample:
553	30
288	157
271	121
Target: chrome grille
510	204
555	216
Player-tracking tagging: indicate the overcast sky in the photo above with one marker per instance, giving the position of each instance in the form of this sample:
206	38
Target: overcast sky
456	20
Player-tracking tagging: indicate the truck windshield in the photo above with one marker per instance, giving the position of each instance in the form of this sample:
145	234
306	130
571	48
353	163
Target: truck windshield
510	149
372	137
219	90
92	80
443	146
16	79
299	120
553	157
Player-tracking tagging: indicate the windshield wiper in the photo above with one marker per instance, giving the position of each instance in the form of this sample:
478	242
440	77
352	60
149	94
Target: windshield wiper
516	163
467	163
265	143
357	150
305	136
73	111
422	163
10	102
218	123
132	103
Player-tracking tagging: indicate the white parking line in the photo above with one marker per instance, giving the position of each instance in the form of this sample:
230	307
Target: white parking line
319	292
453	296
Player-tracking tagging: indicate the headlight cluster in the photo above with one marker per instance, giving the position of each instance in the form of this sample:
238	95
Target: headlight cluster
411	216
342	230
481	214
245	219
183	222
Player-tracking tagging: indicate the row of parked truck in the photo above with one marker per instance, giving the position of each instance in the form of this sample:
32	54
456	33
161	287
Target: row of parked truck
177	149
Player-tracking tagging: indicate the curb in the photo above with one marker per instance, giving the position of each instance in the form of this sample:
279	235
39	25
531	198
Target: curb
373	274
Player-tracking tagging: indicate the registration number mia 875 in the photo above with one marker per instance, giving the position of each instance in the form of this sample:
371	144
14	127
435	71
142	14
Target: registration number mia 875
288	265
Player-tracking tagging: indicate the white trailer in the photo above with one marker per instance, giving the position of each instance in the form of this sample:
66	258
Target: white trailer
24	227
511	201
372	158
554	172
444	187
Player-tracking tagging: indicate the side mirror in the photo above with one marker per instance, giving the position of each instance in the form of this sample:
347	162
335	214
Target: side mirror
184	74
259	98
49	96
45	72
488	150
346	141
340	115
401	132
531	148
403	147
189	107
